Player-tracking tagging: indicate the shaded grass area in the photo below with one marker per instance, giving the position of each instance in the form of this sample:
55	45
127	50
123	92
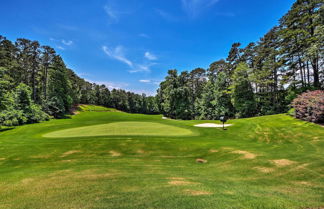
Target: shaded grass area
265	162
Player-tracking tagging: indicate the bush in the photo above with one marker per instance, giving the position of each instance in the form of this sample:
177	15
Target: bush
309	106
12	117
35	114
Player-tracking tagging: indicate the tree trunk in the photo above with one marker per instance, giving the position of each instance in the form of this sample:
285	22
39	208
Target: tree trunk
316	73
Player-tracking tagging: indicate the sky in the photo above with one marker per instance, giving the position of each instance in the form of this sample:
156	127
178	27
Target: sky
131	44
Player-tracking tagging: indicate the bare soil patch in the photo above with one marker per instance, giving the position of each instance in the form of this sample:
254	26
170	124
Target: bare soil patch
180	183
199	160
140	151
283	162
67	161
304	183
246	154
264	169
27	180
114	153
176	178
70	153
213	150
196	193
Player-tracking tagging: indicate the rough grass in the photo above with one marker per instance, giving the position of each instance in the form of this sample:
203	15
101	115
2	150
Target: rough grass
265	162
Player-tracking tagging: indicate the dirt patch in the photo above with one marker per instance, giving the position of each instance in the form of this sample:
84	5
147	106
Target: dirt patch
176	178
212	125
196	193
283	162
180	183
67	161
75	110
213	150
42	156
227	148
27	180
70	153
114	153
264	169
140	151
199	160
304	183
246	154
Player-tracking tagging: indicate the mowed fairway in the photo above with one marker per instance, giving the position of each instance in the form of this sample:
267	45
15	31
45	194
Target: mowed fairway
118	160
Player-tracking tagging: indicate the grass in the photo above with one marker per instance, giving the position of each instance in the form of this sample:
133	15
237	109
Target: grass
95	108
122	129
264	162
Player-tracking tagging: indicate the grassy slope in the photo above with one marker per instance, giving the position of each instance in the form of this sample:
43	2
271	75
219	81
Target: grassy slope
160	171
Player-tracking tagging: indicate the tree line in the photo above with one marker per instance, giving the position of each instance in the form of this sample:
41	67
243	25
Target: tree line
259	79
36	84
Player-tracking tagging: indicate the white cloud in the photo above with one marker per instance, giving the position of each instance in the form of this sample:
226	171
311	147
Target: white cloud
60	47
149	81
117	54
67	43
147	93
194	7
150	56
110	85
165	15
112	14
115	11
145	81
142	68
144	35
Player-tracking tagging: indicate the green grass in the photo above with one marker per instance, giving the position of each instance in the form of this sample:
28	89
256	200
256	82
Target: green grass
95	108
264	162
122	129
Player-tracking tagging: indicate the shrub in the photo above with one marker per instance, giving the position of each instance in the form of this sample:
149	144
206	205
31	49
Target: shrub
12	117
35	114
309	106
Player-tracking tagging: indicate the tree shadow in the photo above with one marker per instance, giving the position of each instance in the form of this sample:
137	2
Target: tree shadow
6	129
65	117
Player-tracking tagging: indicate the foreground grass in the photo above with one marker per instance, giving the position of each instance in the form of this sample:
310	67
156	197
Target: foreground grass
265	162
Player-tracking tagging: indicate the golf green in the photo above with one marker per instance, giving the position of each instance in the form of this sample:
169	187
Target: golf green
122	129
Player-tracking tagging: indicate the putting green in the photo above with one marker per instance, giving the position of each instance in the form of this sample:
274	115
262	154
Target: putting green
122	129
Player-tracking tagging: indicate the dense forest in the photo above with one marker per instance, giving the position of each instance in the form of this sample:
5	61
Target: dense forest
36	84
259	79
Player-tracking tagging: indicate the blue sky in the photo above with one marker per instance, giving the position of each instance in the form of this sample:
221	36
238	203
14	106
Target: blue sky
131	44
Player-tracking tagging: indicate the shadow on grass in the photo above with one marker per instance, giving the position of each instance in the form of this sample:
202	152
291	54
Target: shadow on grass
5	129
65	117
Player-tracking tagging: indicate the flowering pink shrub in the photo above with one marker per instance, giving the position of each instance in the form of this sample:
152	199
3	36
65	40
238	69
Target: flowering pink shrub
309	106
